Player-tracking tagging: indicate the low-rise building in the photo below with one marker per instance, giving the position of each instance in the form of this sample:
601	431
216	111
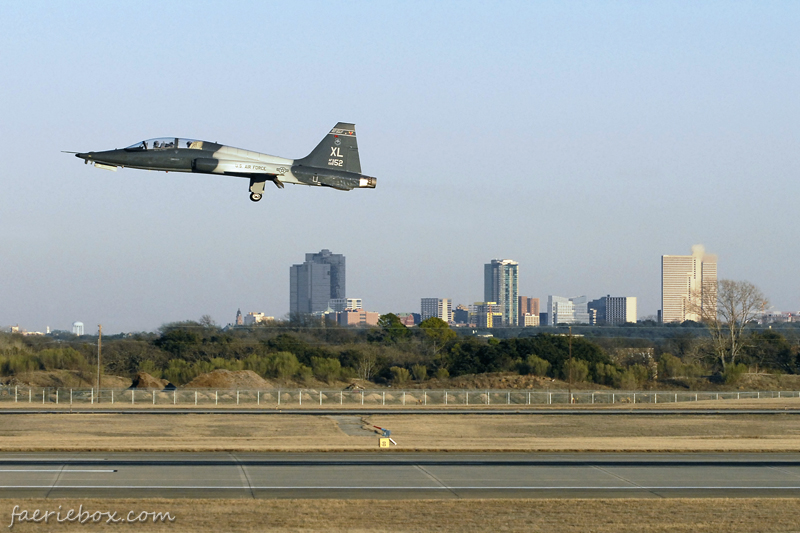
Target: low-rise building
251	319
357	317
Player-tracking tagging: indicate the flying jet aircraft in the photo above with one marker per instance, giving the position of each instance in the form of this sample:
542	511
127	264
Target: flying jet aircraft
333	163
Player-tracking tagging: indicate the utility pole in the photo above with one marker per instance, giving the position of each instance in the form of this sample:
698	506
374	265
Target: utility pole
569	371
99	350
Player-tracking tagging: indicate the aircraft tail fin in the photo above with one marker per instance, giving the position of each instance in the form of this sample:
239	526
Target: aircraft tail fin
338	150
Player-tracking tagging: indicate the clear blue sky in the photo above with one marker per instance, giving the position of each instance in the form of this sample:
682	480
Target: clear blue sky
582	139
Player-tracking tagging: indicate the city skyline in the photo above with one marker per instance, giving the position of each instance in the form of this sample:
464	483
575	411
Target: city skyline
628	130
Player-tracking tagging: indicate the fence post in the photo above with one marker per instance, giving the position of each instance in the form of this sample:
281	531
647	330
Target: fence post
341	397
216	397
467	399
445	397
655	396
383	402
279	396
70	398
362	397
154	397
320	397
634	398
549	398
112	396
676	397
488	398
43	396
92	397
30	395
592	396
258	397
237	396
300	396
508	398
425	395
529	398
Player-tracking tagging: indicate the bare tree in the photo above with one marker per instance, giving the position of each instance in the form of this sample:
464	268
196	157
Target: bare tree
737	304
366	363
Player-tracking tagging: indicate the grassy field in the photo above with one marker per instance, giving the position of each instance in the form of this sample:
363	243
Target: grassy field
417	432
552	516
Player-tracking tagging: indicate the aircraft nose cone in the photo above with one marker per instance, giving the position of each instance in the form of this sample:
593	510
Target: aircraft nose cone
83	156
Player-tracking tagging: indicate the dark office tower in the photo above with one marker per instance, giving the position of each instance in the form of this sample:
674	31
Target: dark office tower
319	279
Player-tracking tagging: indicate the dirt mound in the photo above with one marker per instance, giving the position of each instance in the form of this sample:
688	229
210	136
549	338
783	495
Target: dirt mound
67	379
227	379
143	380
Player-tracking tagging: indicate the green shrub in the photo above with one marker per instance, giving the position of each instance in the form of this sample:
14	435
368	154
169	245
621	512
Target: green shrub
400	375
326	369
257	363
179	372
442	373
282	365
627	380
537	366
733	373
577	369
305	373
420	372
606	374
670	367
150	368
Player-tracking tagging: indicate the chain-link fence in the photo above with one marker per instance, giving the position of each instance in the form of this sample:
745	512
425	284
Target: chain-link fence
298	398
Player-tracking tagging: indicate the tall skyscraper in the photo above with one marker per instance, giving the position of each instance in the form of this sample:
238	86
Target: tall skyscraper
500	285
688	285
439	307
318	280
527	306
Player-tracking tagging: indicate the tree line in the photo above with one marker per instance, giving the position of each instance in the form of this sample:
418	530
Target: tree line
302	348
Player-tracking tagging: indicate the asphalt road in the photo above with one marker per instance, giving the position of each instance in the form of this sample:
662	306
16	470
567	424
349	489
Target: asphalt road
405	411
393	475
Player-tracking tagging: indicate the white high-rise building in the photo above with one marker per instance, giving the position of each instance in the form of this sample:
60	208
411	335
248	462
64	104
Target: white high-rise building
688	285
439	307
620	309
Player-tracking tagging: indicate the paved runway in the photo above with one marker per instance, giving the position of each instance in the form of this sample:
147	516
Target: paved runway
397	475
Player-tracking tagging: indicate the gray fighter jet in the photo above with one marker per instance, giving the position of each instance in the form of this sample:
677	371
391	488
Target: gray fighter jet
333	163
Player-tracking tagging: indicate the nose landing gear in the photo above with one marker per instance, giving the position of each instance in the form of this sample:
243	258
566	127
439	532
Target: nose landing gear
254	196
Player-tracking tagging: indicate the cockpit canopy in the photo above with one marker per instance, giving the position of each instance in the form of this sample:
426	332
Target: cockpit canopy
166	143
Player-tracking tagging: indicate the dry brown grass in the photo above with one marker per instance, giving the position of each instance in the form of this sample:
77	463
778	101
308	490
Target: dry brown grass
546	515
420	432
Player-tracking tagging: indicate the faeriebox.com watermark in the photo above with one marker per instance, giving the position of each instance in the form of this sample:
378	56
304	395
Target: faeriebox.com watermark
82	516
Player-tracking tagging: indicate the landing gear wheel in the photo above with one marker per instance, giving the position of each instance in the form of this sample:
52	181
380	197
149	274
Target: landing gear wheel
254	196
